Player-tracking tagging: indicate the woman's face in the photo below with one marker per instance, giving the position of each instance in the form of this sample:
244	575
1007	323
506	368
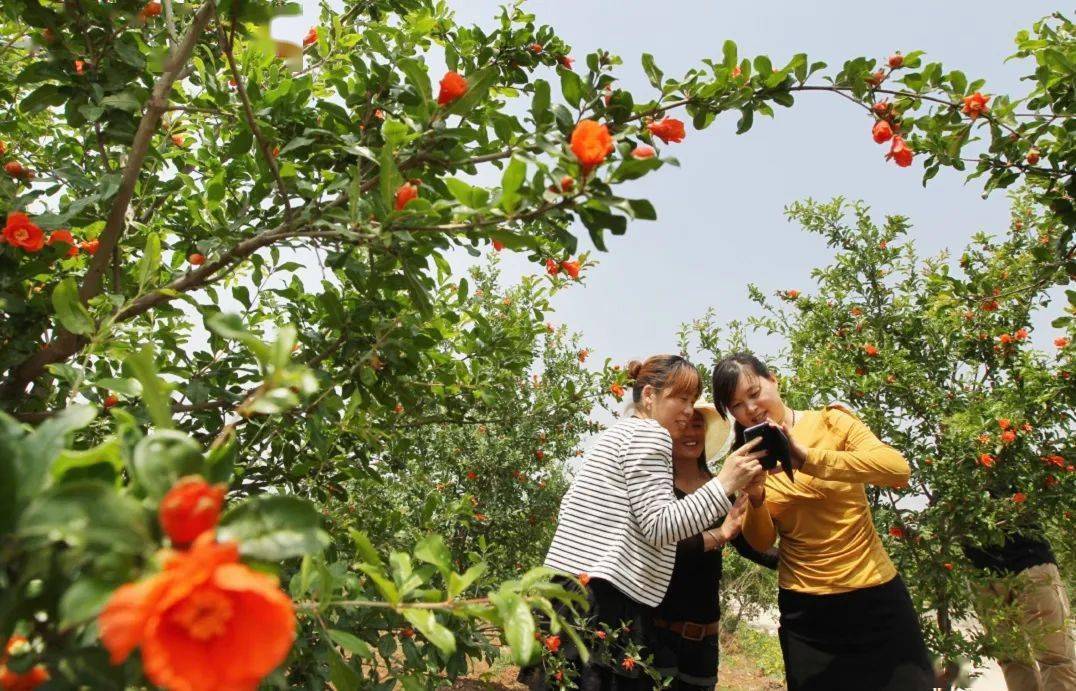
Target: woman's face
756	399
672	411
689	445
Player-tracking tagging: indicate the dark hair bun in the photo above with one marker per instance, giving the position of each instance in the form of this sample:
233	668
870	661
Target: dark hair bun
633	369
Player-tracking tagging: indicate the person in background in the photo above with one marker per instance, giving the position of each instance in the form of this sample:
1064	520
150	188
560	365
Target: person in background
687	622
620	521
847	621
1022	573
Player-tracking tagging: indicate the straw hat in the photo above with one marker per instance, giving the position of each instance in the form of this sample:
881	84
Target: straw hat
718	431
290	53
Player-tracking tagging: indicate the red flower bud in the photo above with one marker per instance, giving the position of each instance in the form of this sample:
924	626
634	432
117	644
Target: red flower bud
190	508
882	131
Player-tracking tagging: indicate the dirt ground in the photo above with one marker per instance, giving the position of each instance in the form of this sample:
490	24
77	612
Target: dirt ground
737	673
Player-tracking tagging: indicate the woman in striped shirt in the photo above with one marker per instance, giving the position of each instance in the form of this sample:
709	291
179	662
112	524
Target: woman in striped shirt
620	521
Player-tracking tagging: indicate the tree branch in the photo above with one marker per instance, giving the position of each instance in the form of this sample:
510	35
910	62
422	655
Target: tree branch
67	343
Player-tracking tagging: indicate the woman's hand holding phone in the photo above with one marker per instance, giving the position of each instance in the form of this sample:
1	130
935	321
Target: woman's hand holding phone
741	467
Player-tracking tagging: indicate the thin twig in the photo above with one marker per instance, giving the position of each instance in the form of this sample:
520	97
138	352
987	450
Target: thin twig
248	111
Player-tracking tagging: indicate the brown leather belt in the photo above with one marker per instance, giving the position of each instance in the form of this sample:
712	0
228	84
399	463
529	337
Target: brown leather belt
690	630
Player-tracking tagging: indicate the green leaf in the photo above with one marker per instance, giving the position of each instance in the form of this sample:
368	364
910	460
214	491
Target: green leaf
365	547
634	168
417	76
10	448
82	602
389	178
728	52
274	401
151	259
426	622
518	624
69	308
747	118
511	181
652	72
164	456
274	528
571	85
126	386
124	100
540	103
45	96
220	461
352	643
44	444
342	676
458	583
432	550
87	515
384	585
154	389
106	456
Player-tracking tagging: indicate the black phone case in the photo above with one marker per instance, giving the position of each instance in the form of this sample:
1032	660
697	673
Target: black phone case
775	443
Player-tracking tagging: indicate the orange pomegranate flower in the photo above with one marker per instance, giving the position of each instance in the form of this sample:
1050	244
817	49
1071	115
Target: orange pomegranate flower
643	151
90	246
571	267
453	86
591	143
404	194
900	152
617	390
190	508
204	623
882	131
975	105
21	232
65	237
311	37
987	461
668	130
150	9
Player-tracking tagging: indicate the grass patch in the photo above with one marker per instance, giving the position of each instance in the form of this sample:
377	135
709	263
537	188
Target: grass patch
758	648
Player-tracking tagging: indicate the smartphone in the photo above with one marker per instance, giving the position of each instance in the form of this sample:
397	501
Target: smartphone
774	443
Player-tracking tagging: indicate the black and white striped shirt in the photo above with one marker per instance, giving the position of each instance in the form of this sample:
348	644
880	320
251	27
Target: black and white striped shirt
620	520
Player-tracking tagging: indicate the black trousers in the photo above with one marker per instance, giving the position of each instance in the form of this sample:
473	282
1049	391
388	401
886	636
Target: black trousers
864	640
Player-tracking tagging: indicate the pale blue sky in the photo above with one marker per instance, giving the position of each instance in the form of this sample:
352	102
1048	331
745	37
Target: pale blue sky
720	213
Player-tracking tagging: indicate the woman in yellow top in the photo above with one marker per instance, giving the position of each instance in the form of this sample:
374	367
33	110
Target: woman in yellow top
847	621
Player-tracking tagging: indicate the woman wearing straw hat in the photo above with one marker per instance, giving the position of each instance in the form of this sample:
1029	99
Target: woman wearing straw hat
685	634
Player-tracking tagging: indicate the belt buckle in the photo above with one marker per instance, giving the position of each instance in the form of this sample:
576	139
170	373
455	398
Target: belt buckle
693	626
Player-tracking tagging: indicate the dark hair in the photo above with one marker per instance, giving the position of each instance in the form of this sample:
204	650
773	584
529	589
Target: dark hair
727	376
671	373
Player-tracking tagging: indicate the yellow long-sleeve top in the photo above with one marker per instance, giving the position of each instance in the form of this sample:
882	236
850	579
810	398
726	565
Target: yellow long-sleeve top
828	542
